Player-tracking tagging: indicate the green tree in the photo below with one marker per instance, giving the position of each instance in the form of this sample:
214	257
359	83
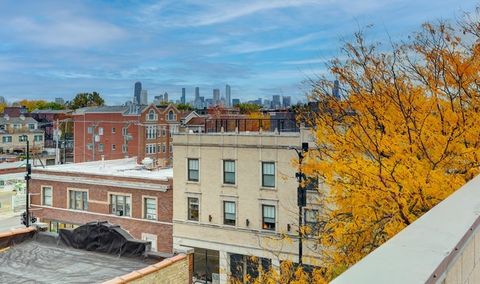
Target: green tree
247	108
86	100
184	107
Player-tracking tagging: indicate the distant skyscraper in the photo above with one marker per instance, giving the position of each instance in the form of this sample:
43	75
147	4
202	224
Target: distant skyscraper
228	96
158	100
137	92
267	103
197	93
216	96
197	103
2	100
165	97
336	89
276	102
286	101
183	98
144	97
235	102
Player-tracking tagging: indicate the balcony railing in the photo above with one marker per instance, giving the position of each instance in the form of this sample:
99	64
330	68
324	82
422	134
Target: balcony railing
250	124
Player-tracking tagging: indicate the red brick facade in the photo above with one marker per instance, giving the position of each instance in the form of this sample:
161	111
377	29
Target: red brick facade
111	143
99	189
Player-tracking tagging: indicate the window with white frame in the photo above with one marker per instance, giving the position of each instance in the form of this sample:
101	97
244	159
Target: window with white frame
89	146
193	208
114	147
268	174
268	217
124	131
152	116
90	130
47	193
7	139
311	218
22	138
170	148
150	149
100	131
164	131
78	200
164	148
193	169
100	147
120	205
114	130
124	148
38	138
151	132
150	208
31	126
228	171
229	213
171	115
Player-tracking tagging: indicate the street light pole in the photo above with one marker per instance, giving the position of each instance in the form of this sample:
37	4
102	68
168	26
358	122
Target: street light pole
301	198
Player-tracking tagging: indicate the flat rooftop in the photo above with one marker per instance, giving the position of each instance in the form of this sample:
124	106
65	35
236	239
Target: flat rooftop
46	262
122	168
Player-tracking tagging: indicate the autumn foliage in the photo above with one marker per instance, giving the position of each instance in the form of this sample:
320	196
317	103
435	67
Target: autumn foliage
403	136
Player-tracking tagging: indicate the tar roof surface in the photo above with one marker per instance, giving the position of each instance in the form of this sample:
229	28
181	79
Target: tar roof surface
39	262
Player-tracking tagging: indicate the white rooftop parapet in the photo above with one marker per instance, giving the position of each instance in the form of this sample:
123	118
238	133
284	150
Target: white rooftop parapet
442	246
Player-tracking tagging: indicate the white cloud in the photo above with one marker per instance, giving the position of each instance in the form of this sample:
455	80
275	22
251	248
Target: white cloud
68	31
254	47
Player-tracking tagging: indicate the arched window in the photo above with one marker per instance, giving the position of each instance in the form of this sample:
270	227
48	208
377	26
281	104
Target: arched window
151	115
171	115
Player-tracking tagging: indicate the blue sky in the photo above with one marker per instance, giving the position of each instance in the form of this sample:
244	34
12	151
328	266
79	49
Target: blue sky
54	49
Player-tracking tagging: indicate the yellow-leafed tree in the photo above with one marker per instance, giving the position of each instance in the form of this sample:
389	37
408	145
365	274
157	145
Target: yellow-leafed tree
402	136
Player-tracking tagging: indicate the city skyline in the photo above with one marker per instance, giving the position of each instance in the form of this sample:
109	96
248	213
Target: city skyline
54	49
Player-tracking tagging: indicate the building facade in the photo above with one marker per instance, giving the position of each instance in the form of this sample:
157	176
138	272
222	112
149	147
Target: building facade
14	132
126	131
117	191
236	197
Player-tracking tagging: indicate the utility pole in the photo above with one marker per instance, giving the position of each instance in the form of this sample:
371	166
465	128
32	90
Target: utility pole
93	140
27	183
57	150
301	198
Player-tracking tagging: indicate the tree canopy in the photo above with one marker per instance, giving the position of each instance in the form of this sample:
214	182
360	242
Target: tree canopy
247	108
86	100
401	138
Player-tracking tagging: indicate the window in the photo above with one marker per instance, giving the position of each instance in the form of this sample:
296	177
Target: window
38	138
114	147
150	208
89	146
151	132
150	149
7	139
90	130
229	213
164	131
229	172
170	148
311	218
268	217
193	209
78	200
124	148
100	131
120	205
164	148
22	138
171	115
47	196
268	174
152	115
100	147
114	130
124	131
193	169
31	126
243	265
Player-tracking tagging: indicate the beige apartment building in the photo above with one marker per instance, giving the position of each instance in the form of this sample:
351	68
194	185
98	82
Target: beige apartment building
15	130
235	197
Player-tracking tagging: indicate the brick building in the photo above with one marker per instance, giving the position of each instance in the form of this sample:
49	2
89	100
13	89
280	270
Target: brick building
115	132
118	191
